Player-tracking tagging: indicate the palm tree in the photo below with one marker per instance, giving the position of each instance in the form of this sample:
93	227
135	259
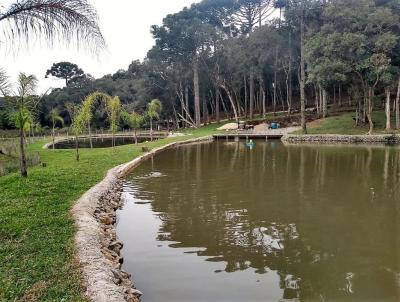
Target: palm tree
77	125
136	123
153	112
4	83
134	120
68	20
22	105
55	117
113	112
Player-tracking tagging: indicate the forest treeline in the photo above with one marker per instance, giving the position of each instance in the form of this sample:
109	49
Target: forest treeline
239	58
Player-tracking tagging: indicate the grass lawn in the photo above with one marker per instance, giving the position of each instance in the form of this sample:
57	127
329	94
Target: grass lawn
344	124
36	228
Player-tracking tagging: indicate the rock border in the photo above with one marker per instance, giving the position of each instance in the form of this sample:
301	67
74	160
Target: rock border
348	139
96	243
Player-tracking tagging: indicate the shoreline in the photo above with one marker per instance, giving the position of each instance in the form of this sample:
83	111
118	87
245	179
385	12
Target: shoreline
341	138
98	249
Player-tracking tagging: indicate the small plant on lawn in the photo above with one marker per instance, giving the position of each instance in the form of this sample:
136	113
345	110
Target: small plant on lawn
154	109
134	120
55	117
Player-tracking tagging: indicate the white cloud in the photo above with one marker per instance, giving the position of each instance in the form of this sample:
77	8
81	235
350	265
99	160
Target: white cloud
126	27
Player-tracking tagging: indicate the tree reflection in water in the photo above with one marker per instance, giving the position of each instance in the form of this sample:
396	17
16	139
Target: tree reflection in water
323	217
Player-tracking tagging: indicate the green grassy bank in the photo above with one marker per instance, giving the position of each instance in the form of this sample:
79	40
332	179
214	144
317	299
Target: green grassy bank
36	228
344	124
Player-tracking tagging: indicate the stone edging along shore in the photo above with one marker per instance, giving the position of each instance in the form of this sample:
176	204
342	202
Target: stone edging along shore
333	138
97	246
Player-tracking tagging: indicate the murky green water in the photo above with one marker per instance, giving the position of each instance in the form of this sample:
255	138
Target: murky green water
221	222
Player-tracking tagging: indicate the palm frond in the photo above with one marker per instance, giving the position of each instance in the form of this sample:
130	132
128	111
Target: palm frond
70	21
4	83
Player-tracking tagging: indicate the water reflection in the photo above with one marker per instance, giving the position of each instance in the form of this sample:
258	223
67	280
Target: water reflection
322	218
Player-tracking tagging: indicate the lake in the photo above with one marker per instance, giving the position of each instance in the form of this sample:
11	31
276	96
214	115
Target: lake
222	222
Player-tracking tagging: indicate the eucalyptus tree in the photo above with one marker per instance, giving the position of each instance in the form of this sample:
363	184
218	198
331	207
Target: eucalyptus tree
185	37
324	67
357	40
229	70
55	117
154	109
263	57
304	17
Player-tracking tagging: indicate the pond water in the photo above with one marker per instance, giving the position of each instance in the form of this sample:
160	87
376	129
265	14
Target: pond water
105	142
222	222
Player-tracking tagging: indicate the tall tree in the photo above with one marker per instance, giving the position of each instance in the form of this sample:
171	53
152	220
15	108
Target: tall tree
185	37
250	13
65	70
357	40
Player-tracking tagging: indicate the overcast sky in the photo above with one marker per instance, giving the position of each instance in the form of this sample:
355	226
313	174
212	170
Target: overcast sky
126	28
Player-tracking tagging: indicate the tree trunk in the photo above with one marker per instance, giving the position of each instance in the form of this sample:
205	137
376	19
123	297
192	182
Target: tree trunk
316	98
320	101
90	135
302	76
231	101
370	108
290	86
196	92
340	95
54	135
76	148
246	97
22	155
151	129
251	95
365	106
187	104
387	109
205	111
334	95
398	107
324	103
262	96
264	103
287	95
136	140
176	119
217	105
275	78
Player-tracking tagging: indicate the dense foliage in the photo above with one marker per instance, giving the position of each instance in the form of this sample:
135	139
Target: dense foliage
235	58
